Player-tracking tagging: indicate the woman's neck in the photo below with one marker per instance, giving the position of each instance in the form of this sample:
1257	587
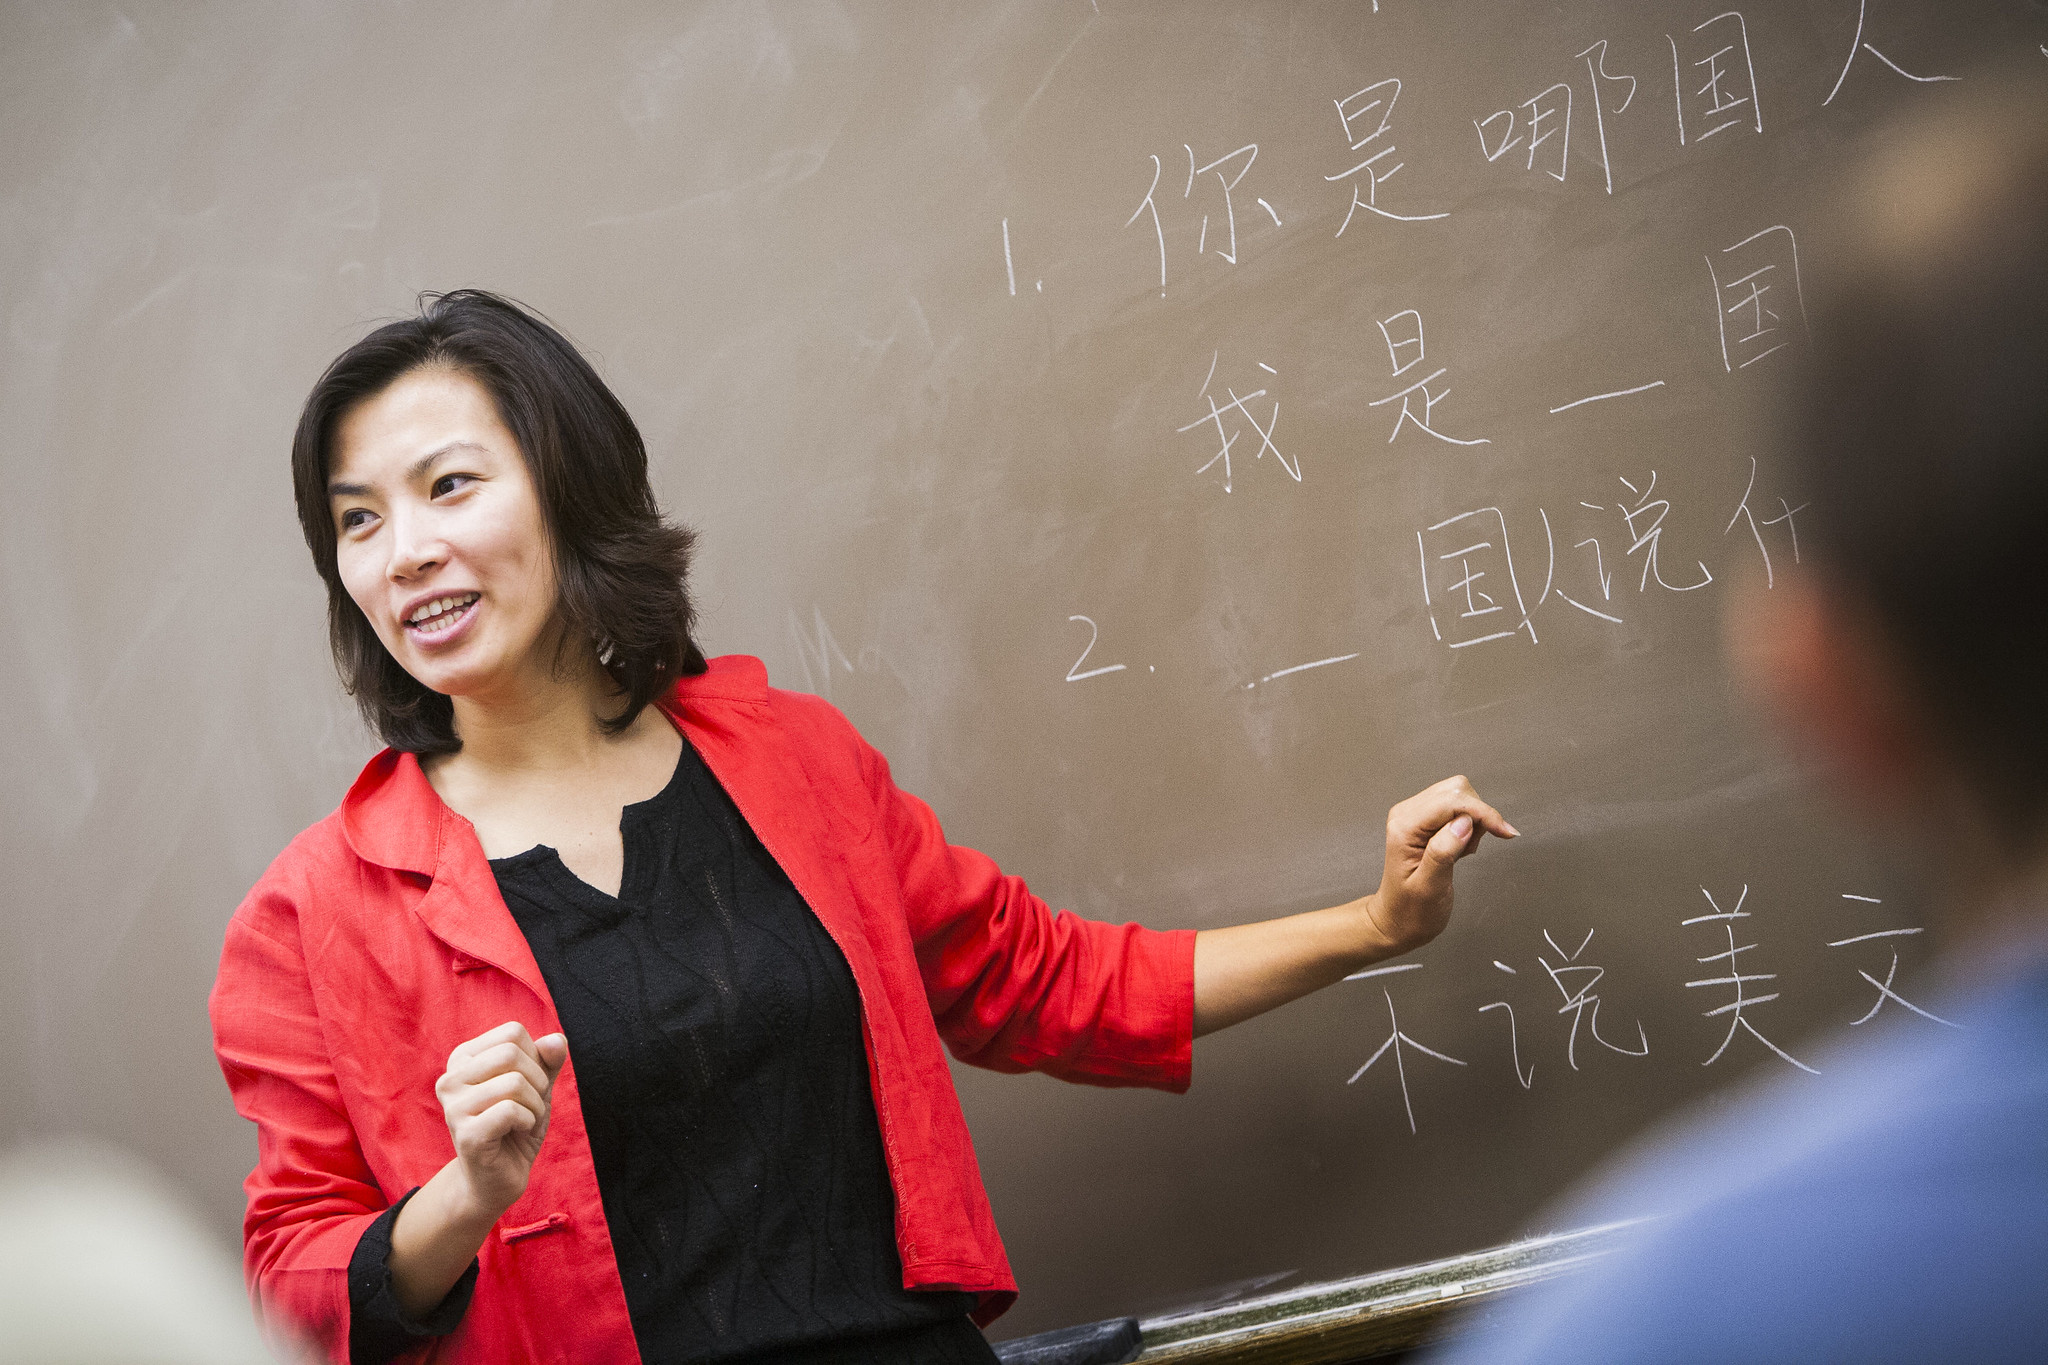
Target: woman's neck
542	723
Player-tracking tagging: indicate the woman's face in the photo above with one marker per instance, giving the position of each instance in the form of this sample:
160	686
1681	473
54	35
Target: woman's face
439	536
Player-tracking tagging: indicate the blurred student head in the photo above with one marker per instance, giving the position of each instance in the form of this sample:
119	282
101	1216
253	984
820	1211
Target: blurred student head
1909	653
103	1263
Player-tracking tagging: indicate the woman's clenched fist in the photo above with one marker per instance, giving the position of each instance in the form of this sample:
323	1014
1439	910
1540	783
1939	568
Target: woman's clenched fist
495	1096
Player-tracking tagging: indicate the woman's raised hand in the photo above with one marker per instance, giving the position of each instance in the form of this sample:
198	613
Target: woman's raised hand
1426	835
496	1096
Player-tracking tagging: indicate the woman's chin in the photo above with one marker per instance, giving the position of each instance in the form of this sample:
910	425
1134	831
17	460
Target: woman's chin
451	679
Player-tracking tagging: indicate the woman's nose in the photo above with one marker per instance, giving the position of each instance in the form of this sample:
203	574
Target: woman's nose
415	548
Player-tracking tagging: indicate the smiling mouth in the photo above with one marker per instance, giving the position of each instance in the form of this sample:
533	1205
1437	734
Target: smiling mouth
438	615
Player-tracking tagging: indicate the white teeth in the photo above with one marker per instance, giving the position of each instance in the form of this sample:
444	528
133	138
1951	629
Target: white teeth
423	617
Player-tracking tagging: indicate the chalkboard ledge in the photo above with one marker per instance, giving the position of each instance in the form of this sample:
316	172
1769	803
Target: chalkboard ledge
1371	1315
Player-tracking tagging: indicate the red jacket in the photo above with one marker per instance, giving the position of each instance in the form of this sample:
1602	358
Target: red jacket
377	941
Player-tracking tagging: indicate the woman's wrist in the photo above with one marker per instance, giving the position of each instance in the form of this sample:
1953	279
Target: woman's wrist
1371	941
464	1205
436	1236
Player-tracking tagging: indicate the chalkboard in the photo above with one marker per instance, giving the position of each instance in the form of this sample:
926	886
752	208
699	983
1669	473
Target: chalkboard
1171	432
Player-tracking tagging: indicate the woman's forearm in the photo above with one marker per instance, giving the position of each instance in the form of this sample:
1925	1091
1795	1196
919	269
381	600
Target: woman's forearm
1248	969
437	1235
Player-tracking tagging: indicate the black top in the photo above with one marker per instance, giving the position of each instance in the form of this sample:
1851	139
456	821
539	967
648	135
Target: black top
716	1032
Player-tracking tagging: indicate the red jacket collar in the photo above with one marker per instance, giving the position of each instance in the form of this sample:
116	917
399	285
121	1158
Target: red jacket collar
393	817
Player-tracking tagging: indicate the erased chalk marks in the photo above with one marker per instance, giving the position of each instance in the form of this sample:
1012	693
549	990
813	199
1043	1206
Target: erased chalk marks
817	650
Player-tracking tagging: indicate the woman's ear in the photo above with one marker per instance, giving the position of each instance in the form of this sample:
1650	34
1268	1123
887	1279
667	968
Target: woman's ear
1820	661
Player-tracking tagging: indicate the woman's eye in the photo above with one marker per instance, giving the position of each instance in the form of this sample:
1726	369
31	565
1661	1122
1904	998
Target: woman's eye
354	517
448	483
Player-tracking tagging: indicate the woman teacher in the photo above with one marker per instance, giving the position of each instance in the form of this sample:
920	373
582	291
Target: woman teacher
603	1019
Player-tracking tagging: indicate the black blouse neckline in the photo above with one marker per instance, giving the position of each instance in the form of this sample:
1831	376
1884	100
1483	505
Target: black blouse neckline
636	878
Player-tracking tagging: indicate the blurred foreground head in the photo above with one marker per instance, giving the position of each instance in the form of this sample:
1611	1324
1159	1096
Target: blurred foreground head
1912	654
103	1263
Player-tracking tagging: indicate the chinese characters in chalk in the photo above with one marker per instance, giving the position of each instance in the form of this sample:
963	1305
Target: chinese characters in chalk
1216	206
1536	133
1367	116
1758	296
1396	1040
1885	989
1714	78
1736	978
1229	420
1406	352
1859	45
1477	597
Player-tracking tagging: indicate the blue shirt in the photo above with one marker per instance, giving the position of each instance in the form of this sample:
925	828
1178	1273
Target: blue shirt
1895	1208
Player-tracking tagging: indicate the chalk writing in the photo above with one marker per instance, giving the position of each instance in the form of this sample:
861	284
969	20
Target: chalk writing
1226	171
1739	979
1717	56
1540	127
1544	120
1514	1045
1403	333
1471	589
1367	116
1785	516
1754	293
1598	397
1303	668
1385	971
1857	45
1395	1039
1239	416
1151	204
1645	521
1477	595
1079	674
1885	989
1602	576
1596	72
1575	981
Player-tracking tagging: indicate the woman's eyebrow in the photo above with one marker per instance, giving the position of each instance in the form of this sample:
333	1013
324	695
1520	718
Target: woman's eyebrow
413	472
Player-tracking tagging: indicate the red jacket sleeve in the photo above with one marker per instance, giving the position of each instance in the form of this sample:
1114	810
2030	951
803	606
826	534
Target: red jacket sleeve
1016	986
311	1194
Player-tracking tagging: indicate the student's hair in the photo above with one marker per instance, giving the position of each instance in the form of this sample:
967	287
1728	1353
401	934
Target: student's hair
1920	430
620	567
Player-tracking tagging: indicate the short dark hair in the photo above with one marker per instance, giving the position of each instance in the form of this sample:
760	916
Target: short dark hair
1920	429
621	568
